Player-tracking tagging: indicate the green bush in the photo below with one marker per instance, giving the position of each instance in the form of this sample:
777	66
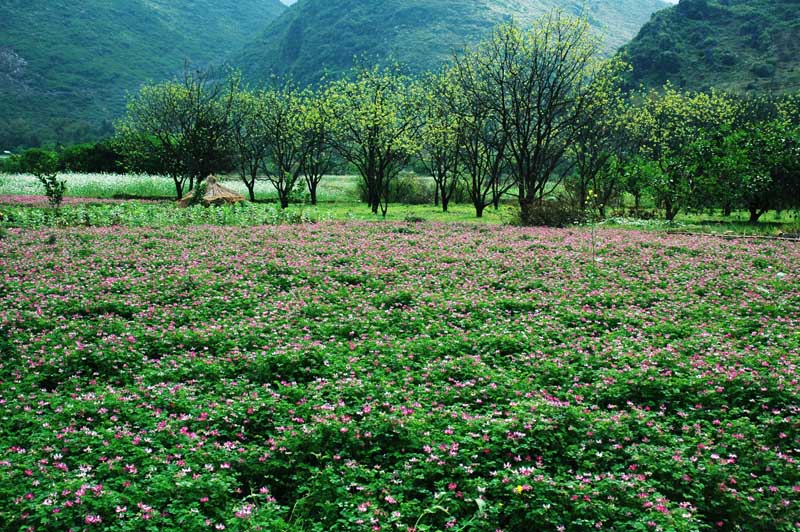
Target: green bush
763	70
411	190
408	189
36	159
100	157
558	212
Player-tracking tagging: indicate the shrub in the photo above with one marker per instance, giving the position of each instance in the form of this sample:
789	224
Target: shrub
763	70
411	190
198	194
100	157
407	188
44	164
558	212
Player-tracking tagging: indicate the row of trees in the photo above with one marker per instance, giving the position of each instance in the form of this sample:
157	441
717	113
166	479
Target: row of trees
713	150
526	112
98	157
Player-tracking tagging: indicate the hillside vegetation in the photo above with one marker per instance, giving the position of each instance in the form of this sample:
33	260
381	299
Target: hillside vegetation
64	70
323	36
740	45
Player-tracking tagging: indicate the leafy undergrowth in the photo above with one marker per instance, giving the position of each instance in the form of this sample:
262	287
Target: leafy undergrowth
348	376
109	213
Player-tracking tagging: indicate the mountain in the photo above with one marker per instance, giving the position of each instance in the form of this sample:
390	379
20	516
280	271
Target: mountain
65	66
315	36
738	45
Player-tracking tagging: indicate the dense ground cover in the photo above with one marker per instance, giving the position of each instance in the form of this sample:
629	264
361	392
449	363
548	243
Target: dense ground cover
357	376
143	186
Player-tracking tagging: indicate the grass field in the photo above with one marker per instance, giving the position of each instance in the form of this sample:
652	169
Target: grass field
347	376
142	186
338	197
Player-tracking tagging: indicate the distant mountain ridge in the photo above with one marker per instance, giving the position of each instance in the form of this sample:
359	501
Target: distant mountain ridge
315	36
738	45
65	66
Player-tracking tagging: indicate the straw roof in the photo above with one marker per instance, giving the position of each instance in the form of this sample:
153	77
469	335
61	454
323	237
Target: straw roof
215	194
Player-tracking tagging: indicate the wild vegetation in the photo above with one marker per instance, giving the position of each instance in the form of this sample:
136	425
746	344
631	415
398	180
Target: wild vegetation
533	114
316	39
283	365
344	376
65	68
733	45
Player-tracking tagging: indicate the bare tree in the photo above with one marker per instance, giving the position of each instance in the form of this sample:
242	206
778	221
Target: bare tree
539	85
484	140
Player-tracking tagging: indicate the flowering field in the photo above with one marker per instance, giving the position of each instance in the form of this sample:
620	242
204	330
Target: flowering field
356	376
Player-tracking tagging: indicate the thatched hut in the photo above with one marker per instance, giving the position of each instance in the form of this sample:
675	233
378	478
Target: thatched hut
215	194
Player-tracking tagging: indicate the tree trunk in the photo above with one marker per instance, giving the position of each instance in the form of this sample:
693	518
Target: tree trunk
312	190
727	209
445	203
479	207
755	214
284	198
582	193
436	196
251	190
373	196
670	211
178	187
525	210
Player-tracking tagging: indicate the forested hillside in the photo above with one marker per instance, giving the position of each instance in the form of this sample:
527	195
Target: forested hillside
319	36
65	66
740	45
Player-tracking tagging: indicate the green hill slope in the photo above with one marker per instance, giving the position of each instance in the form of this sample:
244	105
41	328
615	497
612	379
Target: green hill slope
65	66
315	36
740	45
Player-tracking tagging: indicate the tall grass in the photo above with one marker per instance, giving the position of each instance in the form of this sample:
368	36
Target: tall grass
333	188
338	196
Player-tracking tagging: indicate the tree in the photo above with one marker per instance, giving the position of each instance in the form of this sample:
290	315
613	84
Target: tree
287	150
378	125
765	151
247	138
43	165
773	180
601	145
318	128
180	127
666	125
540	84
483	154
442	136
